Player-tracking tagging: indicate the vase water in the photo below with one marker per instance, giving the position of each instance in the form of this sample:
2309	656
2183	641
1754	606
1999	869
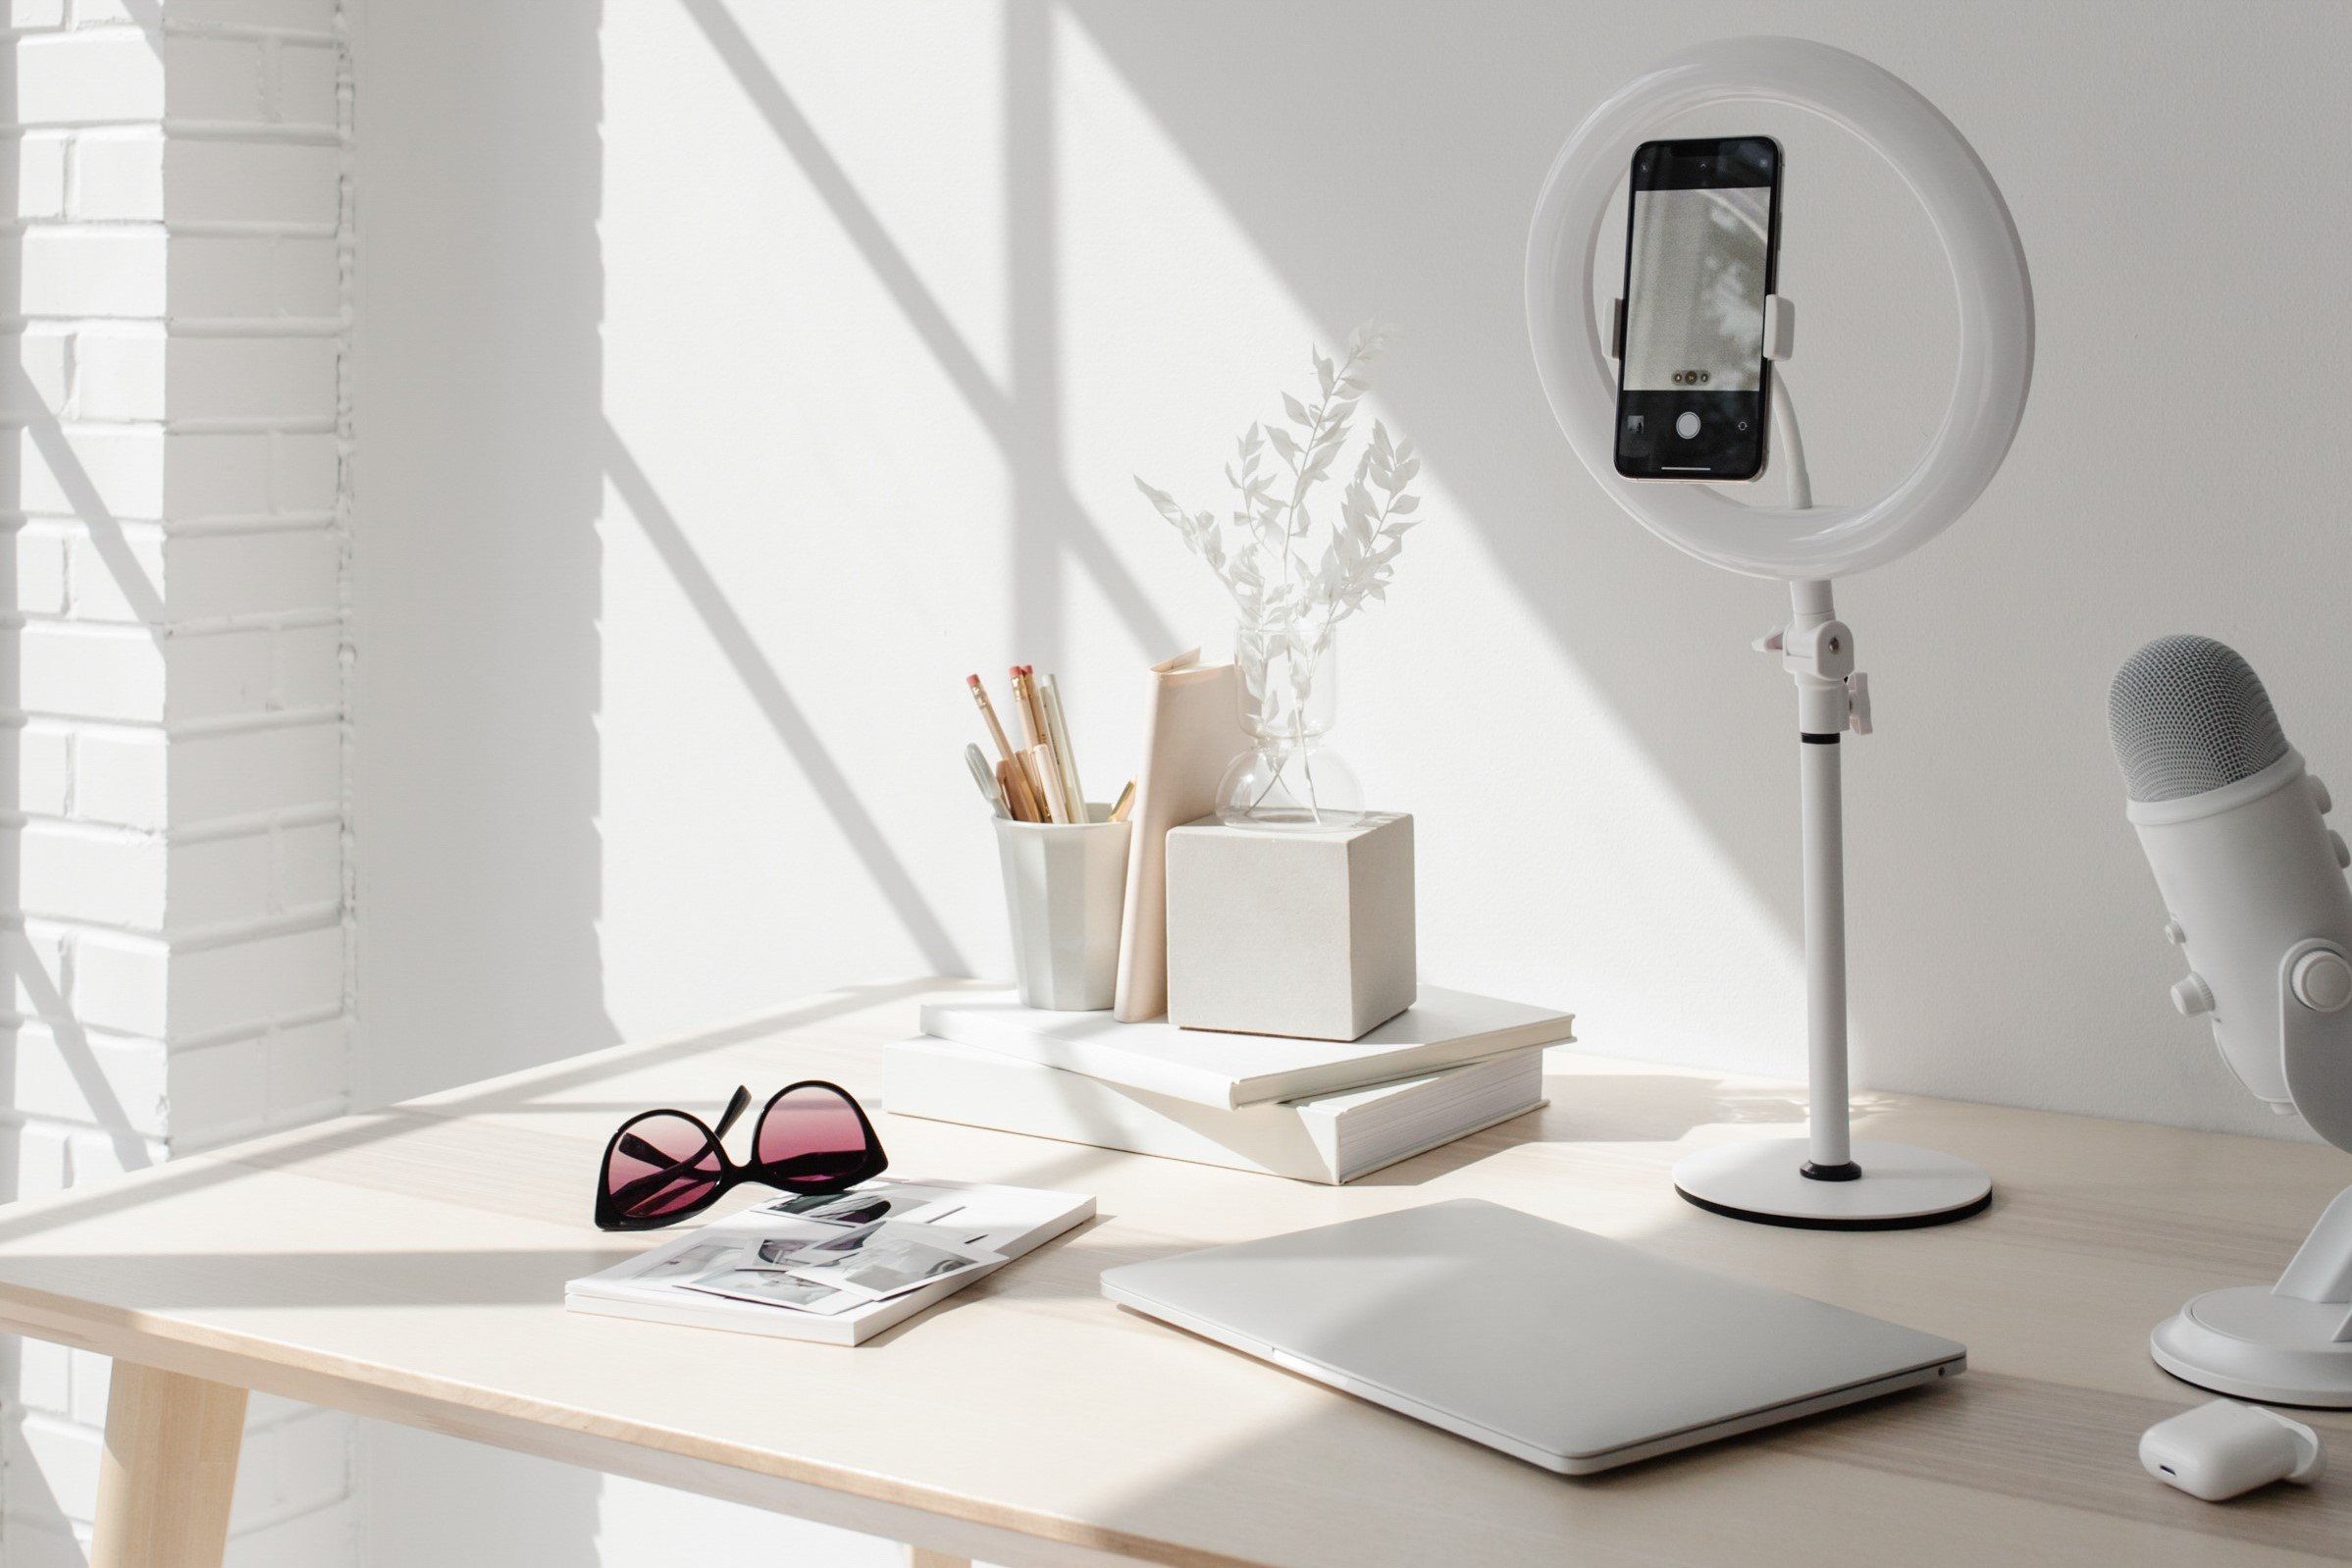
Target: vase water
1290	779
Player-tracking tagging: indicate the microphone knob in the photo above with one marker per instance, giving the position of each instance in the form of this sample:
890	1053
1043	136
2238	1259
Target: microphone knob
2192	995
2318	793
2175	934
2323	982
2343	851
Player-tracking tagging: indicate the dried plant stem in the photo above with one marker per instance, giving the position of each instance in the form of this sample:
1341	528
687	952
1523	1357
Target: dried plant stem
1359	546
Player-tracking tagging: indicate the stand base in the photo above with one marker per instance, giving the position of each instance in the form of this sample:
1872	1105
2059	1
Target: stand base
2256	1344
1899	1188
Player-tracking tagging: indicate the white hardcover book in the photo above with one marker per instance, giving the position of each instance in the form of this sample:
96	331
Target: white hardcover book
1443	1028
1331	1139
742	1273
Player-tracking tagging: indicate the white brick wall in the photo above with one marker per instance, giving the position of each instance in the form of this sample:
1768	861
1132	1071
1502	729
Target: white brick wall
172	880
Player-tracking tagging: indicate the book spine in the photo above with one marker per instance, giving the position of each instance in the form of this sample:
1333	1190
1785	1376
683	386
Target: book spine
947	1022
1013	1096
1342	1077
772	1322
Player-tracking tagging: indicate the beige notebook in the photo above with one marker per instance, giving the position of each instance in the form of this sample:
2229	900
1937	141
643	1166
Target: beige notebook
1191	730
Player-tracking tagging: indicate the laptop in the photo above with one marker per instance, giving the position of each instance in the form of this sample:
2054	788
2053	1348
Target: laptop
1555	1345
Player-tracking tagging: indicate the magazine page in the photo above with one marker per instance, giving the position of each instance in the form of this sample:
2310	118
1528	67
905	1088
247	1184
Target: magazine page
837	1257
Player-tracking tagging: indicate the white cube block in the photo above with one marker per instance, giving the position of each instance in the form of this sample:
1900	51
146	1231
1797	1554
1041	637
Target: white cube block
1292	933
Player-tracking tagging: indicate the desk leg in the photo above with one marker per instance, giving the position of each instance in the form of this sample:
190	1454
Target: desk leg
170	1466
919	1557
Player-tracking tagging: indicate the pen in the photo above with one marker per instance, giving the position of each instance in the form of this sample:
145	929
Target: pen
1015	787
1056	732
985	777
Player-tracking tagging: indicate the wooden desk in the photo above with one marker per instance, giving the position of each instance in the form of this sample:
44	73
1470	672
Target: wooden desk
409	1265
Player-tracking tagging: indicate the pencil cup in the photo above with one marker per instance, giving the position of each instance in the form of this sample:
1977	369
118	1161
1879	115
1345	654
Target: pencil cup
1064	886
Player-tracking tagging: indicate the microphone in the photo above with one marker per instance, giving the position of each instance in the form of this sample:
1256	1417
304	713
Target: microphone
2251	879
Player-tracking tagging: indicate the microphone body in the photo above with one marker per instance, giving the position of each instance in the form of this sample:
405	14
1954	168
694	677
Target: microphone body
2252	878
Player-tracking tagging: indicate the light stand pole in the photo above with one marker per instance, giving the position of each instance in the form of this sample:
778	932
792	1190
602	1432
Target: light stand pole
1825	1184
1851	1185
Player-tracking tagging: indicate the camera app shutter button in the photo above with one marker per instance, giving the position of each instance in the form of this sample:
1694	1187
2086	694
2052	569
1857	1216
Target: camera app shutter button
1686	425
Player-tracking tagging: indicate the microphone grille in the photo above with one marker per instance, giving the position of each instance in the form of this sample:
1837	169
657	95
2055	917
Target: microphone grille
2186	714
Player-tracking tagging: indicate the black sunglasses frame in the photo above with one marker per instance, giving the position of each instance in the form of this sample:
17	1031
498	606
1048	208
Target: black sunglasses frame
612	1214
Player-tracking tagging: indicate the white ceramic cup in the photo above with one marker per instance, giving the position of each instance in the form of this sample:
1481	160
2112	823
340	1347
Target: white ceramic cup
1065	884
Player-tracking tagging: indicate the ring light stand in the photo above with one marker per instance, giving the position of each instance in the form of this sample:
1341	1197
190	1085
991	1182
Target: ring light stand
1824	1180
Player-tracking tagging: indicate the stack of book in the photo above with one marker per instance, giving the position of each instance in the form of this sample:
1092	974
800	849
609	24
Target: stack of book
1312	1110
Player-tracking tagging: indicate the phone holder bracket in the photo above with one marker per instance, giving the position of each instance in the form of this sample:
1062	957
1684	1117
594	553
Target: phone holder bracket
1780	328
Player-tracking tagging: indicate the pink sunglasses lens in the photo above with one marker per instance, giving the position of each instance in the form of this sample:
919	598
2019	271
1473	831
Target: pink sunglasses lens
812	1135
660	1165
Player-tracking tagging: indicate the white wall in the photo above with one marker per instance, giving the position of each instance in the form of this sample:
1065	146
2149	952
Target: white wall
172	726
734	377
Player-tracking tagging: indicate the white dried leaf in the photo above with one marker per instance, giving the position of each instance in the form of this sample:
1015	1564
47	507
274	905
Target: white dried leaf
1284	569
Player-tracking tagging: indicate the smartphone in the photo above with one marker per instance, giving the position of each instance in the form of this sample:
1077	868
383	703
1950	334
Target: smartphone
1702	247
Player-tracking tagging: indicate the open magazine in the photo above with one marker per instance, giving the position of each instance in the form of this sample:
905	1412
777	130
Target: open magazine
836	1269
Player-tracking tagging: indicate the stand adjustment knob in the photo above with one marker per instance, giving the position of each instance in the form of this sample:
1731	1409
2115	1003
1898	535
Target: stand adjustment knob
2192	995
2343	851
2323	982
2319	793
1857	701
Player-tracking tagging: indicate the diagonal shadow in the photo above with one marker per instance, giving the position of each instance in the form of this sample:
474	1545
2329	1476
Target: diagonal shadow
1001	416
1034	311
758	677
287	1150
369	1281
587	1068
68	1038
104	529
73	1049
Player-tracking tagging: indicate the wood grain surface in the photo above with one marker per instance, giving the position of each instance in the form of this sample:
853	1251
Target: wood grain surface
409	1265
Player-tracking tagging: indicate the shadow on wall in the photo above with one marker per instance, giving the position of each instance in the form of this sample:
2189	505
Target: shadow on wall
850	817
1387	159
36	1514
477	773
1025	421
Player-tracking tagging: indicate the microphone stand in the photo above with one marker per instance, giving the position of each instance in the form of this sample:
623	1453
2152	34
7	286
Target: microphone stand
1829	1181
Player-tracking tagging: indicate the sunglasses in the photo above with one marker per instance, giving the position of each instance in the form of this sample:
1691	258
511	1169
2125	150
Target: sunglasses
666	1166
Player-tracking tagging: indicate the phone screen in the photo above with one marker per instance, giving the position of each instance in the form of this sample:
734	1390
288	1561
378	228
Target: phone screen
1701	249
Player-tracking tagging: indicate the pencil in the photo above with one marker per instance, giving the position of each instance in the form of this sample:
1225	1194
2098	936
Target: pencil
1037	769
995	731
1015	787
1046	775
1126	802
1025	703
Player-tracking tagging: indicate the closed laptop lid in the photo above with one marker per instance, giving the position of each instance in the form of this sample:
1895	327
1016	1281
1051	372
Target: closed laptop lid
1548	1338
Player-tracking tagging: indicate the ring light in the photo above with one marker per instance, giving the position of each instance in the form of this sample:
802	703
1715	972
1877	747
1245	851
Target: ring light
1969	219
1825	1180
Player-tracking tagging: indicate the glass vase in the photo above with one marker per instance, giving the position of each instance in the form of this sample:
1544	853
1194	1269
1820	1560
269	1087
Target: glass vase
1289	780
